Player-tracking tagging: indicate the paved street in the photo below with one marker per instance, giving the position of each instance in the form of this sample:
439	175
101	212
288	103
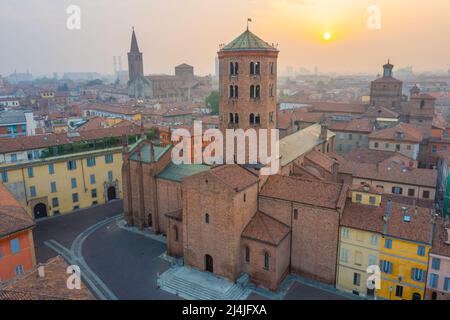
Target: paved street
66	228
119	263
127	262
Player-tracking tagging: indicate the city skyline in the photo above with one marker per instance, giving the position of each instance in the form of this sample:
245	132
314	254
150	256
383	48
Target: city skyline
298	27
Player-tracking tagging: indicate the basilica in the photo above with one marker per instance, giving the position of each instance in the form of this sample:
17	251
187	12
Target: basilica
230	219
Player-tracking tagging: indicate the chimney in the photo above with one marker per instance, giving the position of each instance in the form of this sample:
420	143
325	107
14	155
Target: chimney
41	272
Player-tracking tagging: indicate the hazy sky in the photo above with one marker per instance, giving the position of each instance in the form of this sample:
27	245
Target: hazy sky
33	33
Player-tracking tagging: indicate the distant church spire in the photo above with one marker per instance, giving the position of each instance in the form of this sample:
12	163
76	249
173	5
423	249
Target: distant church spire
134	45
135	62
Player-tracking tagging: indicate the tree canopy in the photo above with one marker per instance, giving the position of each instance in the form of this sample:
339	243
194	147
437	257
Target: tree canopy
212	102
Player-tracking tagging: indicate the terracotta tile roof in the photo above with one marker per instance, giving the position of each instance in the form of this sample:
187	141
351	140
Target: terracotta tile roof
441	240
321	160
335	107
312	117
402	132
367	188
13	217
266	229
93	124
409	201
284	120
366	155
420	227
23	143
125	110
307	172
391	172
381	112
370	218
387	80
234	176
363	217
318	193
53	286
355	125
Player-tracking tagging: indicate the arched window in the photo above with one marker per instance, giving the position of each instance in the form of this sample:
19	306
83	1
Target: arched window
231	118
257	92
232	69
236	118
175	230
271	68
236	68
252	68
257	119
236	91
207	218
247	254
266	260
252	92
271	90
252	118
422	104
257	68
231	91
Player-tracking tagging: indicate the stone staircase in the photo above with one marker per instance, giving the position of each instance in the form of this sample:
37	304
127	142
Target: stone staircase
193	284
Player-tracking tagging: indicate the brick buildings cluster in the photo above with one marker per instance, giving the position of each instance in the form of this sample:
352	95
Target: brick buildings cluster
233	221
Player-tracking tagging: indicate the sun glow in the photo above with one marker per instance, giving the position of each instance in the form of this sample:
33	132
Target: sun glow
327	36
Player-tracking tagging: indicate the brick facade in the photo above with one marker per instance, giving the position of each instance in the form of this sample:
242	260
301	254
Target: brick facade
219	236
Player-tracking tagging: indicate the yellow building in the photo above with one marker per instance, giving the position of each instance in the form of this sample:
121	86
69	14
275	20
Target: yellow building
61	184
57	174
359	240
407	239
394	236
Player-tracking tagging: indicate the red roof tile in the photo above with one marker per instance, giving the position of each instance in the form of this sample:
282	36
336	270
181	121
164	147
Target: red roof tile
401	132
13	217
266	229
53	286
319	193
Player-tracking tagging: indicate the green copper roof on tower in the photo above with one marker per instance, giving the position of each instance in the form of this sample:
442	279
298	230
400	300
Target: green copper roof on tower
248	41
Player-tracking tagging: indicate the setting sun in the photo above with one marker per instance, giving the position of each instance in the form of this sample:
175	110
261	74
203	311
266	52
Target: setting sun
327	36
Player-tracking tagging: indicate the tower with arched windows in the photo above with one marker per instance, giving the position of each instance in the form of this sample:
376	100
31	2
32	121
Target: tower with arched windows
247	82
386	91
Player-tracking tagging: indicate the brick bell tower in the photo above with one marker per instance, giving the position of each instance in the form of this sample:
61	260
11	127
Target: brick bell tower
135	62
248	84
